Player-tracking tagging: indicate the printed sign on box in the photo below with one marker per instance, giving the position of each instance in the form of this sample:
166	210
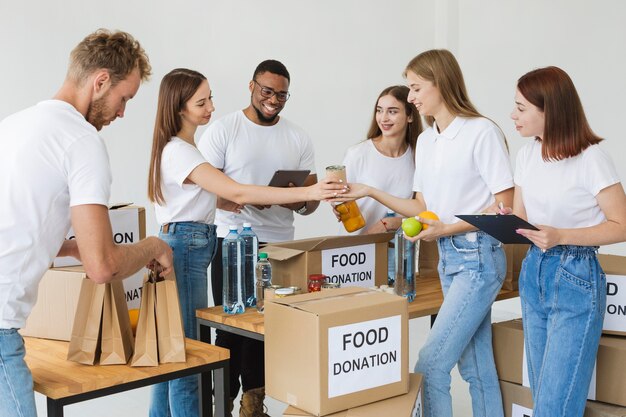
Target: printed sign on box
363	355
353	266
128	225
615	315
521	411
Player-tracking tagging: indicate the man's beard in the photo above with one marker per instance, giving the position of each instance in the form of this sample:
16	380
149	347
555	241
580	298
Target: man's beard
263	117
96	113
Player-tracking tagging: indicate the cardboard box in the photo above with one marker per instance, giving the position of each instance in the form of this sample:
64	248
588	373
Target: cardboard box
615	315
402	405
128	224
608	383
52	316
359	260
333	350
508	350
517	402
429	259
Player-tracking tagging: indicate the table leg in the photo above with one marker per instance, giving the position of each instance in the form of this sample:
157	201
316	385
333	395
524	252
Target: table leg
222	395
55	408
204	333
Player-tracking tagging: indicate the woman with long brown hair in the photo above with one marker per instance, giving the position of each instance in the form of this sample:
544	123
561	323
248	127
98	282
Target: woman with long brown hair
386	159
183	188
568	187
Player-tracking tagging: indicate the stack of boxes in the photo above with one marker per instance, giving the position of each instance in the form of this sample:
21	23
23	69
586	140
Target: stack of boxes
341	352
607	392
52	316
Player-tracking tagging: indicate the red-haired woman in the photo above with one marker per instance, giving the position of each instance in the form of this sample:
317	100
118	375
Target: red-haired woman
568	187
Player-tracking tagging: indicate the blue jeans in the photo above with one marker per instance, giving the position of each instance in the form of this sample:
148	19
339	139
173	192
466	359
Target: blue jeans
194	246
563	292
17	398
472	268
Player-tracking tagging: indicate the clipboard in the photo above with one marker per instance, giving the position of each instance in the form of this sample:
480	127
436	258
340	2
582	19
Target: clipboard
283	177
500	226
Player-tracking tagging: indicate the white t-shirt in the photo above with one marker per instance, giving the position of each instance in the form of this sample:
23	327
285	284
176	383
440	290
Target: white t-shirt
458	170
366	165
51	159
563	193
183	202
250	154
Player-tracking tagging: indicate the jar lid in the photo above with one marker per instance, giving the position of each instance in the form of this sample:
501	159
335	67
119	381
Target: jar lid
284	291
317	277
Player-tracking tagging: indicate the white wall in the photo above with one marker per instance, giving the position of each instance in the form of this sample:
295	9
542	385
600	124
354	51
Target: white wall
340	54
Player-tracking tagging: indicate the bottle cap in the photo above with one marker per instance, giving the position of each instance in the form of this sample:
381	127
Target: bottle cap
262	255
247	225
390	212
232	227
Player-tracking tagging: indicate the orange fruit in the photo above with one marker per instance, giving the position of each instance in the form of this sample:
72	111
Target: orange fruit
427	215
133	313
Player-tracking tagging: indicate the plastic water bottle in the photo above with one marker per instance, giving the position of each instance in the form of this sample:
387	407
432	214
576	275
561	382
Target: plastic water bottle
250	249
263	280
232	256
391	258
405	266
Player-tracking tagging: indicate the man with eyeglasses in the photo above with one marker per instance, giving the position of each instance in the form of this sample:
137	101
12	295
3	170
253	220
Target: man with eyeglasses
249	145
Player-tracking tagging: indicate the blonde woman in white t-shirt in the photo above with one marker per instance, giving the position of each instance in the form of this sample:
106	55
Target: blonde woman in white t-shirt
569	188
183	187
461	166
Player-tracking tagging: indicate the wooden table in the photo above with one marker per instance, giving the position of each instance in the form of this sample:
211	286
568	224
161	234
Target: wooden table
64	382
428	300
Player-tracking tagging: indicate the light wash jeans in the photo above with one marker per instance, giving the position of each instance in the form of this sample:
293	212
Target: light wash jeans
563	292
472	268
194	246
17	398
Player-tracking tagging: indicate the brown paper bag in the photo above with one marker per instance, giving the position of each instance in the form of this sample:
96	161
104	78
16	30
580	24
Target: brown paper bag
146	353
169	321
117	335
84	344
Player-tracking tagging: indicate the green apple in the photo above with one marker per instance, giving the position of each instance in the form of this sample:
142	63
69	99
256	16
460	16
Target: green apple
411	226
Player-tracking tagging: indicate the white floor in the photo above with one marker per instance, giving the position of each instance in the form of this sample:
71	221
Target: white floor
135	403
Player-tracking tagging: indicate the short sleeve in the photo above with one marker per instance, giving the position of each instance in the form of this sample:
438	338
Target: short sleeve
179	159
214	143
492	159
88	172
599	170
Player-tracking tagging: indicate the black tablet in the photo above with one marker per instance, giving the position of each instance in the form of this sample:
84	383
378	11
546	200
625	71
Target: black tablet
283	177
500	226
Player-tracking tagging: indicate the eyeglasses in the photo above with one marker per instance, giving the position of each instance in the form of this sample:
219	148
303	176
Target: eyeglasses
269	93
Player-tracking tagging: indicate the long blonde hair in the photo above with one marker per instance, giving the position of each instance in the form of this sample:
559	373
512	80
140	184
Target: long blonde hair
441	68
